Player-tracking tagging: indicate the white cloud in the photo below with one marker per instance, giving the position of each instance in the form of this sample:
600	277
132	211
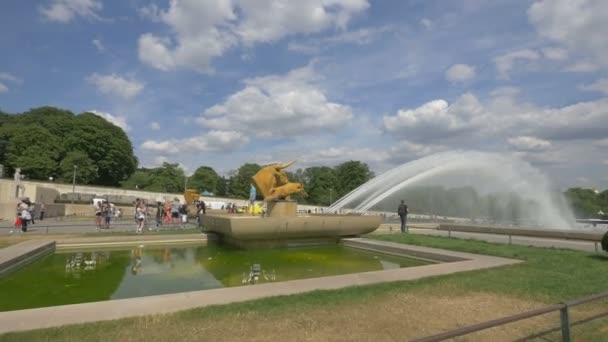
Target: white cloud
601	143
580	25
9	77
582	66
556	54
213	141
64	11
338	154
437	117
155	126
426	22
505	92
98	45
501	115
204	30
159	160
278	106
117	120
116	85
266	21
600	85
505	63
5	76
526	143
361	36
460	73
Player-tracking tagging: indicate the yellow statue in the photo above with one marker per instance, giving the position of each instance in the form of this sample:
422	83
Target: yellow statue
191	195
283	191
272	182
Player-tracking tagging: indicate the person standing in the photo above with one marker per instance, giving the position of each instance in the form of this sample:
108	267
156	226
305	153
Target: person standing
98	215
201	210
42	209
402	211
175	215
160	213
25	216
32	210
252	195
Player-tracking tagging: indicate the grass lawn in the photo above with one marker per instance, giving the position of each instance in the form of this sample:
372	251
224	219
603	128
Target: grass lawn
390	311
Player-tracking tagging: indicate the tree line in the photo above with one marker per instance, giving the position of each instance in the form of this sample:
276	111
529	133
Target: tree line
588	203
323	184
47	143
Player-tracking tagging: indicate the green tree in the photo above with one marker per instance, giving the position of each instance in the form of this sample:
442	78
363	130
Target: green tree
56	133
320	183
585	203
106	144
222	186
351	175
35	163
204	179
166	178
86	171
241	180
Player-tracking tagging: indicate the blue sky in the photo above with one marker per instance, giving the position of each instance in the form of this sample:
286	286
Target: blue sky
225	82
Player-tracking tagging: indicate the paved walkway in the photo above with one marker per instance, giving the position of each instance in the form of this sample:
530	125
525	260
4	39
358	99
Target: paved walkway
52	226
585	246
115	309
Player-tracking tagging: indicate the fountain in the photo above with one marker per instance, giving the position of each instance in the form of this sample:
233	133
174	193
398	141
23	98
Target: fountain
501	185
282	225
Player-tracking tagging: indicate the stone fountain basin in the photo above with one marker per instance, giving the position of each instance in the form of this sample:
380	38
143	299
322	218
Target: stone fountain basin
253	231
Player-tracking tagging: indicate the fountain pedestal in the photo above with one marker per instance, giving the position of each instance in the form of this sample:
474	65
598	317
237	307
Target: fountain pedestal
282	209
283	227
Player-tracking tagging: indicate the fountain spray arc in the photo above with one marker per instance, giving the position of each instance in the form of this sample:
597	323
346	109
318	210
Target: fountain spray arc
487	173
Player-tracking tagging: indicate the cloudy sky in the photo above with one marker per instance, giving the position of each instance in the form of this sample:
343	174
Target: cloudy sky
223	82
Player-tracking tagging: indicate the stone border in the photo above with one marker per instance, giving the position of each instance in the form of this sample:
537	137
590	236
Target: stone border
129	241
56	316
15	256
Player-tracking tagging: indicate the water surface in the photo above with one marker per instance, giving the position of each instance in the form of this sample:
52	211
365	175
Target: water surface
87	276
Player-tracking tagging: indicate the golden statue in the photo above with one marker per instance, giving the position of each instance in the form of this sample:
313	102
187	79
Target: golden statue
272	182
191	195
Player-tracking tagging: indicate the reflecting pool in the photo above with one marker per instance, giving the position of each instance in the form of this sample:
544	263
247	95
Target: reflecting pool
88	276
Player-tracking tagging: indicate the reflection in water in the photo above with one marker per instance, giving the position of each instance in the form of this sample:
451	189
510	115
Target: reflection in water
144	271
256	273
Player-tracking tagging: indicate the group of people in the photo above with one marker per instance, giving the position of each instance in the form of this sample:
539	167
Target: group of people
176	212
26	213
104	212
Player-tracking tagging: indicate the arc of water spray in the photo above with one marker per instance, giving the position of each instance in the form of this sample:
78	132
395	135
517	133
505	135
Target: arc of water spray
514	175
365	206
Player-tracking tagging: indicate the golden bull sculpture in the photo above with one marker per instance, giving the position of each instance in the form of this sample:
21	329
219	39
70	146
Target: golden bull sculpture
272	182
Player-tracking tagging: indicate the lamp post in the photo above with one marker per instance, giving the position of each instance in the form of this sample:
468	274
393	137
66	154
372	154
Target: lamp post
74	180
330	191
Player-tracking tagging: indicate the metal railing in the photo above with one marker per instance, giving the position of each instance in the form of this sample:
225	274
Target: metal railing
563	308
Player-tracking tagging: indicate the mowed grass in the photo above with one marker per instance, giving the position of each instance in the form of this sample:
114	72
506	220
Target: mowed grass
390	311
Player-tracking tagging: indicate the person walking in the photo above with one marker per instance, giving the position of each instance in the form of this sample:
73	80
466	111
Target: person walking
402	211
42	209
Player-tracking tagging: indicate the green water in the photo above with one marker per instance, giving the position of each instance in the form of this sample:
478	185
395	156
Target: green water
69	278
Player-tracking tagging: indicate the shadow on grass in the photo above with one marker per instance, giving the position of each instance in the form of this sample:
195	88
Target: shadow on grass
599	257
